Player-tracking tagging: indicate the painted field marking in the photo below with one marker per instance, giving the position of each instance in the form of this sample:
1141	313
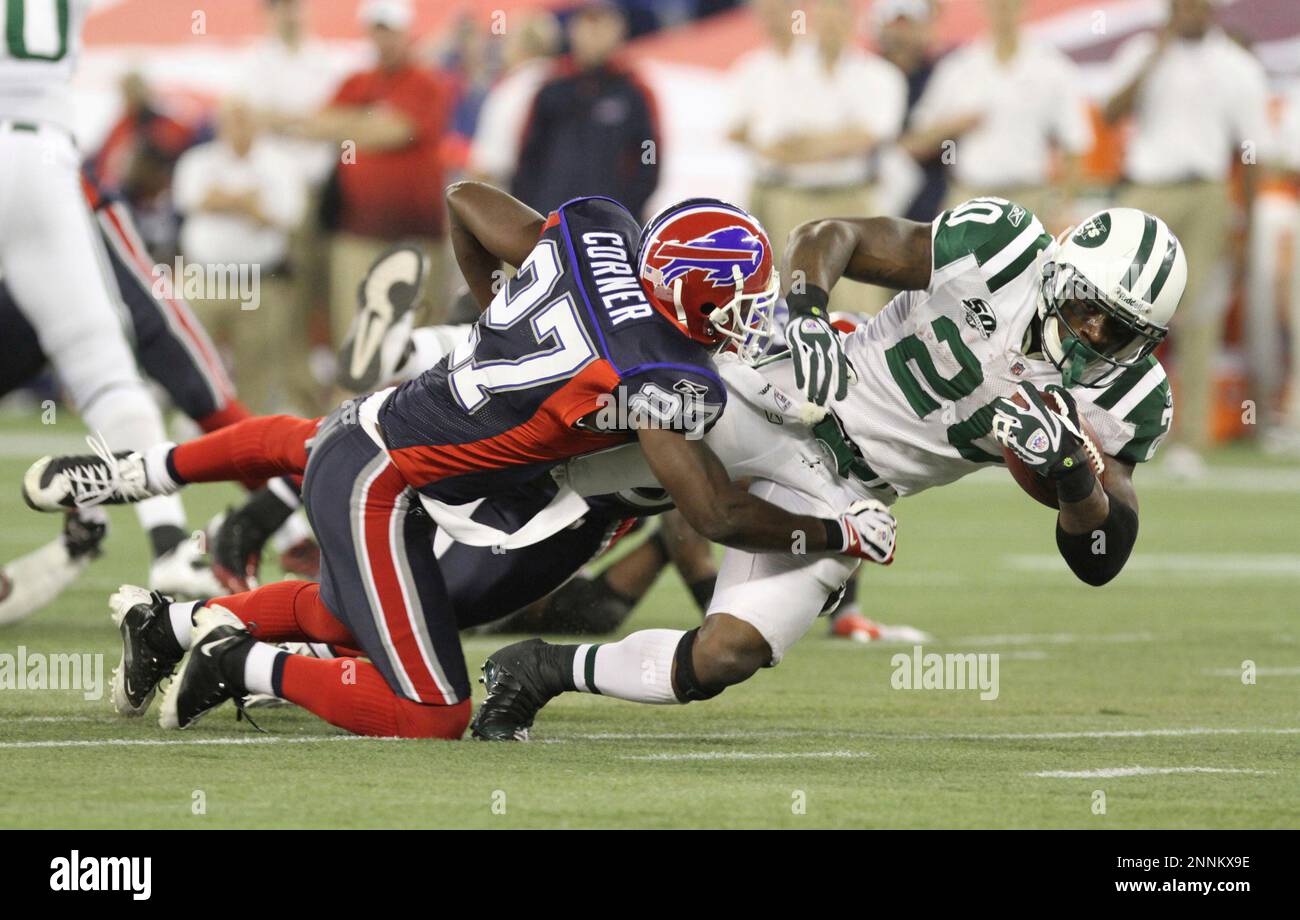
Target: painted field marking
1050	638
748	755
1261	672
182	742
1195	566
1111	772
888	736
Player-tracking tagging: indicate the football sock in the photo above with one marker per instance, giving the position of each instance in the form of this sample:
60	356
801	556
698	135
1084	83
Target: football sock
288	611
638	667
174	631
256	448
259	667
233	411
353	695
164	538
702	591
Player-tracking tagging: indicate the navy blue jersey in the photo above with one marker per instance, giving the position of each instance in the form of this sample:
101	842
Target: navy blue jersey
569	357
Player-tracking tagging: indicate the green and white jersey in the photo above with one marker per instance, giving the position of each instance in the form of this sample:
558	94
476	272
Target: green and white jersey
932	362
42	41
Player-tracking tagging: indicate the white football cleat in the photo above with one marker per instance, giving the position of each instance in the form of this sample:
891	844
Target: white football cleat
380	337
60	483
184	574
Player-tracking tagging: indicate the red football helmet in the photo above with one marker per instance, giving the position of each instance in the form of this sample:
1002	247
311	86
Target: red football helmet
707	266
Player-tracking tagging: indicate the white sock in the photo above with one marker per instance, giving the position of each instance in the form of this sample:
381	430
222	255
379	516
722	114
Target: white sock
182	620
259	666
638	667
155	469
161	511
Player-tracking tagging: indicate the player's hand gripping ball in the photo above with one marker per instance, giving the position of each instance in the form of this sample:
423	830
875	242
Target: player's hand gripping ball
1044	439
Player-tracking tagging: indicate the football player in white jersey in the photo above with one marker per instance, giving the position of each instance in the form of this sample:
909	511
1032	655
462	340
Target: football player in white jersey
1001	336
54	266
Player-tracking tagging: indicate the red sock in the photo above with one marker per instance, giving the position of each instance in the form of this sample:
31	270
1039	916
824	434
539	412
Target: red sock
287	611
231	412
256	448
352	694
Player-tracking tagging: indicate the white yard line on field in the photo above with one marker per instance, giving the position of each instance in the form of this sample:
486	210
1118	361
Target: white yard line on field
748	755
1111	772
890	736
1200	567
1259	672
1049	638
180	742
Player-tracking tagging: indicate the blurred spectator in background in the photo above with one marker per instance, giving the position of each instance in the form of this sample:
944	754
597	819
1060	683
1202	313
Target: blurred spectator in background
1198	101
1285	436
812	111
136	161
912	172
241	198
388	184
464	57
997	109
593	128
531	43
288	76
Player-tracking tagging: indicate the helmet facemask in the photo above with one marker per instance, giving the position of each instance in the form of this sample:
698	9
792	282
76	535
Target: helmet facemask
745	324
1065	292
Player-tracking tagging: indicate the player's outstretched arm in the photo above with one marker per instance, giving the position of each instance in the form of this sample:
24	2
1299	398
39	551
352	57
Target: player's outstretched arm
488	227
888	251
1096	533
725	513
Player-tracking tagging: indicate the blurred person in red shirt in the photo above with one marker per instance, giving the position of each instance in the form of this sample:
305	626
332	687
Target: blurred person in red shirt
389	121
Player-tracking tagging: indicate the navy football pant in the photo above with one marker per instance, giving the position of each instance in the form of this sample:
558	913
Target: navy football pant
378	571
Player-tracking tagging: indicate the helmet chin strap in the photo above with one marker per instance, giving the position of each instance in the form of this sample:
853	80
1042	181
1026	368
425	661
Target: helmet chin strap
1074	363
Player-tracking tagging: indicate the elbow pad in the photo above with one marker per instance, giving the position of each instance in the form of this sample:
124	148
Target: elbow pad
1098	555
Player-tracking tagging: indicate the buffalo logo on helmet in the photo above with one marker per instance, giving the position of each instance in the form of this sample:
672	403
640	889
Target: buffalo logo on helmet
716	254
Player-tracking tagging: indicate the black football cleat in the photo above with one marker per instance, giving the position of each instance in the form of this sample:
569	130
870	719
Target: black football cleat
520	680
143	664
380	338
201	685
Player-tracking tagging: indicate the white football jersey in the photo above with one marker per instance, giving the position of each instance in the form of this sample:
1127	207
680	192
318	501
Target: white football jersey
42	42
932	362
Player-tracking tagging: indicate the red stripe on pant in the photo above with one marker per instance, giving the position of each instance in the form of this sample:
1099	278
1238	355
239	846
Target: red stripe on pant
383	519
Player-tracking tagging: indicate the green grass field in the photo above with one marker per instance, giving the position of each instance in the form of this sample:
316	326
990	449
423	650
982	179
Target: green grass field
1144	673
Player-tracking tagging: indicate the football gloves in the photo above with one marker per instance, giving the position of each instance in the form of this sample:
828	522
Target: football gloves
870	531
821	369
1045	433
237	545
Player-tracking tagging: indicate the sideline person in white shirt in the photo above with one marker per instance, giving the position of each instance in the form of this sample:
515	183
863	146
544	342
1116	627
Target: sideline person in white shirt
530	51
1198	101
998	109
811	111
241	199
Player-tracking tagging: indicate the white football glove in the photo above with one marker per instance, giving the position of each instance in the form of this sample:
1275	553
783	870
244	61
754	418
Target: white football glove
870	531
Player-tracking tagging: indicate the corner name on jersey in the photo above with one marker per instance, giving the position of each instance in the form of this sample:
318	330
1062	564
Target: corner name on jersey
617	285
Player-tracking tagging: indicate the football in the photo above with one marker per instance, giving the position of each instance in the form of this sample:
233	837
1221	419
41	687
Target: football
1040	488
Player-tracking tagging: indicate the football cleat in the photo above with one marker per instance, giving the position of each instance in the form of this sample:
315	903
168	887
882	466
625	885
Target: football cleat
520	680
143	665
853	625
183	573
380	337
201	686
59	483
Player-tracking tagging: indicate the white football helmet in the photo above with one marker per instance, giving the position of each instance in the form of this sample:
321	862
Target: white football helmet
1125	264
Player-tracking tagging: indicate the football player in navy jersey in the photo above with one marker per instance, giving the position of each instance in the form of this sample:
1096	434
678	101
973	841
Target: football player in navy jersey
603	335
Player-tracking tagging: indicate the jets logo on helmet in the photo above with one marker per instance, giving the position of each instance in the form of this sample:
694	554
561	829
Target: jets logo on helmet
1108	293
708	266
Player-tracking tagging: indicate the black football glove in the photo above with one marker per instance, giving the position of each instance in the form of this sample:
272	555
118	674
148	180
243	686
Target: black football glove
1048	438
237	546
